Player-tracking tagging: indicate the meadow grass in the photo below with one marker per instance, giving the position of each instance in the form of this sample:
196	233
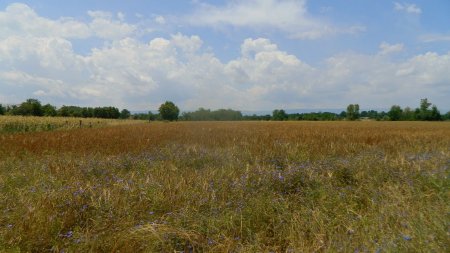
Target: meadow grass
228	187
17	124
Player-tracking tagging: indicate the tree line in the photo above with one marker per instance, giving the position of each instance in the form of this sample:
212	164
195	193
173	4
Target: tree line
33	107
170	112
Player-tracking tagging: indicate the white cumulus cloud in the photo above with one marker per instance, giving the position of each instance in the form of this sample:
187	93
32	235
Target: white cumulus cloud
386	48
407	7
130	73
20	20
289	16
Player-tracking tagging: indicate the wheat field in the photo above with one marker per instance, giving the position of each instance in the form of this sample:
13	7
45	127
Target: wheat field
227	187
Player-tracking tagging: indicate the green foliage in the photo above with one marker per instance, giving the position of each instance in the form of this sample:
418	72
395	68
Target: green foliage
352	112
279	115
314	116
31	107
266	117
107	112
125	114
207	115
435	114
169	111
371	114
446	116
145	116
408	114
49	110
152	116
395	113
424	113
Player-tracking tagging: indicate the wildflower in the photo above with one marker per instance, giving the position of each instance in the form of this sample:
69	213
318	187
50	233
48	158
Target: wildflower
69	234
407	238
280	177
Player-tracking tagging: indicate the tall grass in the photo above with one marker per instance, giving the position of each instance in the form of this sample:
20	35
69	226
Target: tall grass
224	187
18	124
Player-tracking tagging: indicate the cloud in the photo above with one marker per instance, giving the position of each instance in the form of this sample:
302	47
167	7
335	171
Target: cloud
435	38
104	26
20	20
139	75
407	7
160	20
289	16
136	75
386	48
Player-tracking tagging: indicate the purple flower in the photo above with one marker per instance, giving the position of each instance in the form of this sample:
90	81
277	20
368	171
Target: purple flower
407	238
69	234
280	177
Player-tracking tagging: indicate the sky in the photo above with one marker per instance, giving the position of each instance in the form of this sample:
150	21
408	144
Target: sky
249	55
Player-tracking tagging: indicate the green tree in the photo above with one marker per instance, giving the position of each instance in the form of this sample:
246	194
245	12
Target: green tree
408	114
31	107
423	113
151	116
395	113
125	114
49	110
63	111
279	115
447	116
2	110
169	111
352	112
435	114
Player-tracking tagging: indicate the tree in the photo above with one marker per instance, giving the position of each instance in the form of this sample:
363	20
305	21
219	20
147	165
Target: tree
169	111
151	116
31	107
408	114
2	109
423	113
125	114
49	110
447	116
424	104
279	115
353	112
435	114
395	113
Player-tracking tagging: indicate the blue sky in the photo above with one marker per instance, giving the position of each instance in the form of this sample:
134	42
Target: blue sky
246	55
